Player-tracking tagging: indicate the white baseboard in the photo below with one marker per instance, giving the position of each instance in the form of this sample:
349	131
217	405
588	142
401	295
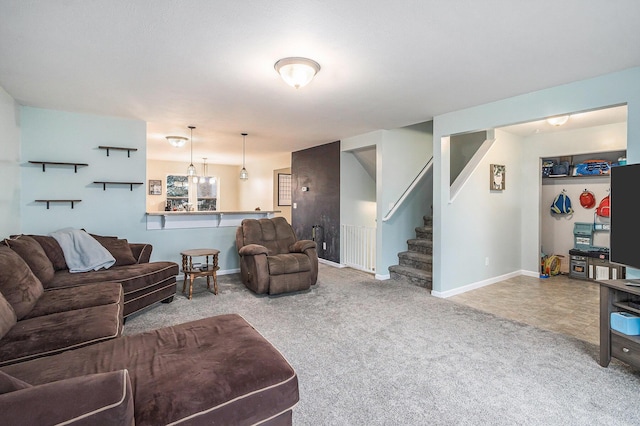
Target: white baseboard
480	284
383	277
330	263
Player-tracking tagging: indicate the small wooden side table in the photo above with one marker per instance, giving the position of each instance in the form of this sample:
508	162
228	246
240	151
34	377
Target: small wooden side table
207	270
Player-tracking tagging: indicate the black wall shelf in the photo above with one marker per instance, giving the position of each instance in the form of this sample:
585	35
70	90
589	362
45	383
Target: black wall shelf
104	184
58	201
118	148
57	163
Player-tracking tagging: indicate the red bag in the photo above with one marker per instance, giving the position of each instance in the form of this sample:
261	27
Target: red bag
587	199
604	208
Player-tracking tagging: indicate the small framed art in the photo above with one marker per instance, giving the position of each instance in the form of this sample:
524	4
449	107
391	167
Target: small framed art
497	177
155	187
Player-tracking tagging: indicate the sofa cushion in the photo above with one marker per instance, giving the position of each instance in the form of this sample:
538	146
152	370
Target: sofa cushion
50	334
217	370
53	251
132	277
119	249
9	384
71	298
95	399
33	253
7	316
18	284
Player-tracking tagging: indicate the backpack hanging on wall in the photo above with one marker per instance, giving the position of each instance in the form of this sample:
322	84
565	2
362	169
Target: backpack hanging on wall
587	199
561	204
604	208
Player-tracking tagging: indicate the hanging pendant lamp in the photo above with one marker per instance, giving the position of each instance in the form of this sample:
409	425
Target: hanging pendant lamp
244	174
203	178
191	170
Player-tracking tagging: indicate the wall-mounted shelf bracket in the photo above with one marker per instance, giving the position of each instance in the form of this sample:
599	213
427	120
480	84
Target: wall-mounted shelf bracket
58	201
118	148
57	163
104	184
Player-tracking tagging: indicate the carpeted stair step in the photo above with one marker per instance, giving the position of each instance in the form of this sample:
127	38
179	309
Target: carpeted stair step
416	260
424	232
411	275
421	245
428	220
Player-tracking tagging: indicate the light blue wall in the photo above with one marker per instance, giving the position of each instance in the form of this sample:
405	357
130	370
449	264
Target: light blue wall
9	165
49	135
456	247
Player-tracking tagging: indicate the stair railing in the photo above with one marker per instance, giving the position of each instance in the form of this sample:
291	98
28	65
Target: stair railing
408	191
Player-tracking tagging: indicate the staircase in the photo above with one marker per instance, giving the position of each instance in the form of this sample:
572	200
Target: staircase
416	264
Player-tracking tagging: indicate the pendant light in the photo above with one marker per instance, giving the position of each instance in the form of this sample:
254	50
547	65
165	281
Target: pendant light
244	175
203	178
191	170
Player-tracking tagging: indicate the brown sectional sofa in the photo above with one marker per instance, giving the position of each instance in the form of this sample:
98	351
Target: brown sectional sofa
63	359
144	283
213	371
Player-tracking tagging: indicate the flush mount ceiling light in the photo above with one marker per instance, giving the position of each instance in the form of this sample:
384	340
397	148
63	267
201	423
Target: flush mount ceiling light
191	170
244	174
177	141
558	121
297	72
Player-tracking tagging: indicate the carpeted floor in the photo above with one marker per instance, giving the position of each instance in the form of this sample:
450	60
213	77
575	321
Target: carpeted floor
373	352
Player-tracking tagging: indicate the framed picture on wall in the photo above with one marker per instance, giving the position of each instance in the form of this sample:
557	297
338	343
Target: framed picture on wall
497	177
284	189
155	187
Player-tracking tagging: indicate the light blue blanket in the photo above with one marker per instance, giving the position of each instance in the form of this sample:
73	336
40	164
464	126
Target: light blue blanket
81	251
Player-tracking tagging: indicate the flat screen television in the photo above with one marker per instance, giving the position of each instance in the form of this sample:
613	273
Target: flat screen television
625	216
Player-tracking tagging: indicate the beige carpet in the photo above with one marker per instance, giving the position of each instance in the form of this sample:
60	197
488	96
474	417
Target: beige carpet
373	352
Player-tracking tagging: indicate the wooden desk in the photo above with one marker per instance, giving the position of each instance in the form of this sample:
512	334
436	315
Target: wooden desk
210	271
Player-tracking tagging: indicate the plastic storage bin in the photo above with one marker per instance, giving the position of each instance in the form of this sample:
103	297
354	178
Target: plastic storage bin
626	323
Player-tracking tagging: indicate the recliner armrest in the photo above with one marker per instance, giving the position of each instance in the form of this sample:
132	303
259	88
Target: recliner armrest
302	245
252	250
103	398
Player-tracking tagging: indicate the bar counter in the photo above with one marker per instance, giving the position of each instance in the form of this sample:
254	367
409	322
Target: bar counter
203	219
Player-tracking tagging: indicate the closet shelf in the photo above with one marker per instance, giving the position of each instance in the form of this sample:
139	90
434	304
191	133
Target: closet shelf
57	163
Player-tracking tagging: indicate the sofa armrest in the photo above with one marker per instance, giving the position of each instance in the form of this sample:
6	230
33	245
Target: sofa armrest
104	398
252	250
141	252
301	245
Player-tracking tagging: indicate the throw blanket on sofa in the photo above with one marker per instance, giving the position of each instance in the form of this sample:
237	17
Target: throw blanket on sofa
81	251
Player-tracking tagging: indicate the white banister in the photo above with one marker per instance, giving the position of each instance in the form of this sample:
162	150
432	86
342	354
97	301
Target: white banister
408	191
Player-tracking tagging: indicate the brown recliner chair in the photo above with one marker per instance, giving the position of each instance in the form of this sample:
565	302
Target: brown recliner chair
272	260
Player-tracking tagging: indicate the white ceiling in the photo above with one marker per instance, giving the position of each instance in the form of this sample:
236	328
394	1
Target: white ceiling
385	64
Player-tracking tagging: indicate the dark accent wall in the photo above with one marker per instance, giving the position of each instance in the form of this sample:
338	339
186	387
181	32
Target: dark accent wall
317	169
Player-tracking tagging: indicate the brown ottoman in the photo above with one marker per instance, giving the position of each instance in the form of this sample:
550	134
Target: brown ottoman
216	371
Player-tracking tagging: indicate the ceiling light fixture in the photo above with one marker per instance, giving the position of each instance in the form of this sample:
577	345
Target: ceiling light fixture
244	174
191	170
558	121
297	72
177	141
